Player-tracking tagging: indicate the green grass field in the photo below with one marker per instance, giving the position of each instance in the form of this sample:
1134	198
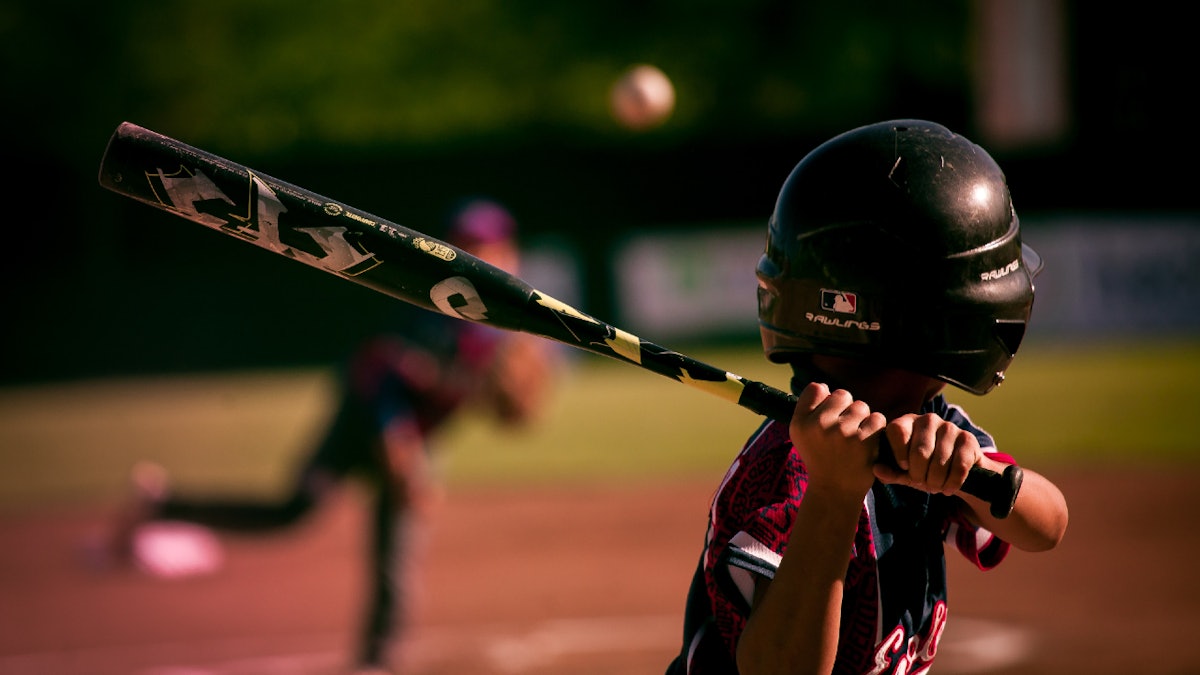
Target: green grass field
1104	403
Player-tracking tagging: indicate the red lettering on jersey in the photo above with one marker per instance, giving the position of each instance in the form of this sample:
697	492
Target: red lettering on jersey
936	627
887	650
913	656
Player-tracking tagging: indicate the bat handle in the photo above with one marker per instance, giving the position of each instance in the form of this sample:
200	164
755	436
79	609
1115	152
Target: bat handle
999	490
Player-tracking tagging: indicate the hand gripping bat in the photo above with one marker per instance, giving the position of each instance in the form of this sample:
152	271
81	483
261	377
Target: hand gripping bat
416	268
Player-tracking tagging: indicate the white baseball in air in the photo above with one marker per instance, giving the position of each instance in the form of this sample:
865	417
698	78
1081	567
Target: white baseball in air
642	98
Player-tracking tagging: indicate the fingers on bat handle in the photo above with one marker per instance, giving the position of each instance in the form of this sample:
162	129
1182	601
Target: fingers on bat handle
999	490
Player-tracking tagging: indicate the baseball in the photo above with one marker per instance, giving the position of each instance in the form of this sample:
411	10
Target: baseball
642	98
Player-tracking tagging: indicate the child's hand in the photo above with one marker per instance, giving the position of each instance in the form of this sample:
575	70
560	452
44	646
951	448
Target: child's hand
932	454
838	438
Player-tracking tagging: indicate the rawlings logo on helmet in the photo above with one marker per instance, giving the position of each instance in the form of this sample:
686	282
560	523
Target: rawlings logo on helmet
1002	272
842	323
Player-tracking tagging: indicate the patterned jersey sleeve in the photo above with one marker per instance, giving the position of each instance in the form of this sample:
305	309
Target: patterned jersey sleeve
978	545
752	514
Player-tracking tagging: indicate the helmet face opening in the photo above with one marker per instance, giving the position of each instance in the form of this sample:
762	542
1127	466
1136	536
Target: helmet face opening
897	243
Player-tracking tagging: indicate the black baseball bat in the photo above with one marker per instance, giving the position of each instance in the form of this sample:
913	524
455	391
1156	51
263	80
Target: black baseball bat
414	267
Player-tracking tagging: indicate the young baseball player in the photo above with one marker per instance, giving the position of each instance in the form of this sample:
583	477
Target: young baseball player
893	267
397	390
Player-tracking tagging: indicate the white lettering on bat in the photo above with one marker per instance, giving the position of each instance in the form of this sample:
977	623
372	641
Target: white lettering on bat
458	298
262	226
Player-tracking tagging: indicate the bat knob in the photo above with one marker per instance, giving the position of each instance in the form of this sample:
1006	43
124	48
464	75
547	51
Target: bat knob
998	489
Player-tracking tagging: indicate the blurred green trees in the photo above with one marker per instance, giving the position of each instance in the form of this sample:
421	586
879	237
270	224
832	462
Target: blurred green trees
266	76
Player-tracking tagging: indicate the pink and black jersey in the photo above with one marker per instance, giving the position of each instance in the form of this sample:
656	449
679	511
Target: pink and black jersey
428	371
894	602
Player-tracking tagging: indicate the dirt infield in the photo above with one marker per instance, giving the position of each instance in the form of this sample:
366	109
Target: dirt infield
586	580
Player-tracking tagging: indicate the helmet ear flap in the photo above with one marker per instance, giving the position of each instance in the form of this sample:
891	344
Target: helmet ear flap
1010	332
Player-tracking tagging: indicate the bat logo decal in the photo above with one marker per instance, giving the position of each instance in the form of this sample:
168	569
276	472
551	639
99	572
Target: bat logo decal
458	298
621	343
730	388
260	224
434	248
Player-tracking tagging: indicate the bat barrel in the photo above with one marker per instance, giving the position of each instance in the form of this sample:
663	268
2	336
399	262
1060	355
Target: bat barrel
318	231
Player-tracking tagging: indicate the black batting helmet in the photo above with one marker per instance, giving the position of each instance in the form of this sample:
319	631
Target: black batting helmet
897	243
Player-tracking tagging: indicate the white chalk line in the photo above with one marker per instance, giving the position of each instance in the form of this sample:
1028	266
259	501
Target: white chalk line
560	637
969	646
976	645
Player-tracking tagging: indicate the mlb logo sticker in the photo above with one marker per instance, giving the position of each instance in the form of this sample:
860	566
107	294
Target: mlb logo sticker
843	302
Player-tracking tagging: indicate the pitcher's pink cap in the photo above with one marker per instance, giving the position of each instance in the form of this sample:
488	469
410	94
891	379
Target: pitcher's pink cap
481	221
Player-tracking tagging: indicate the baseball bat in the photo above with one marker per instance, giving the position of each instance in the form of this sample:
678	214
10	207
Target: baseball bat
416	268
